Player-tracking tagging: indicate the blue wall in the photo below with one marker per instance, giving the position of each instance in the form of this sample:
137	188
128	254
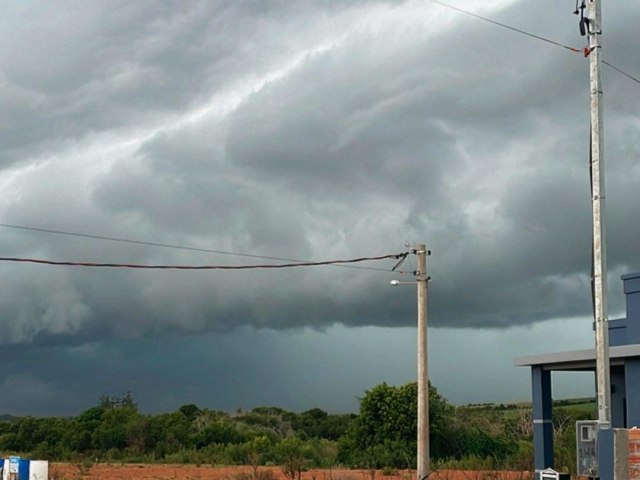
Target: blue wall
632	294
626	331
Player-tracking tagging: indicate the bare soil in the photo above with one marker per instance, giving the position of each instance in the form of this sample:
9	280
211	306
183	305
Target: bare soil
104	471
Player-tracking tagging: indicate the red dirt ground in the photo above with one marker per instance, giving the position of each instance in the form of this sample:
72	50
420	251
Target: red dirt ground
103	471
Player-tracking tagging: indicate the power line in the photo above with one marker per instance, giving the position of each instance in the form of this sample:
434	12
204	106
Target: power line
200	267
621	71
139	242
178	247
585	51
509	27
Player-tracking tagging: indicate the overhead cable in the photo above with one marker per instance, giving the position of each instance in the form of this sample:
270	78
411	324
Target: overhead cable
584	51
509	27
138	242
199	267
167	245
621	71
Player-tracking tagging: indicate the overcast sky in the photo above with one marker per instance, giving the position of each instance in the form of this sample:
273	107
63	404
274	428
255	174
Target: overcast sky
310	130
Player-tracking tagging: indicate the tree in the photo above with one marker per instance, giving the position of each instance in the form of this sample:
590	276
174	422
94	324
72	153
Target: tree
115	430
290	455
126	401
384	434
317	423
190	411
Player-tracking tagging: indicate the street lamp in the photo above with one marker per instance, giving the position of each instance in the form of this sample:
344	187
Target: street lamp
422	471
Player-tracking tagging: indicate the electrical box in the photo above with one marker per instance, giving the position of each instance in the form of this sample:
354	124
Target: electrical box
587	447
620	461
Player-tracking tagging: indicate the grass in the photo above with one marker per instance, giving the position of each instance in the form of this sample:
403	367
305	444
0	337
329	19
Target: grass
587	407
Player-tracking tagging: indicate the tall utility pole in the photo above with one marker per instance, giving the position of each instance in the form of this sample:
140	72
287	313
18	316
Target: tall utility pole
603	381
422	471
422	281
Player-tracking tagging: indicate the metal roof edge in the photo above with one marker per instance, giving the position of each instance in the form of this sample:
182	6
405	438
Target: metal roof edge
627	276
622	351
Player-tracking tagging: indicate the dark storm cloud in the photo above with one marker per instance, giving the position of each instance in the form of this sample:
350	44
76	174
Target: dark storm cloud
287	369
310	131
94	67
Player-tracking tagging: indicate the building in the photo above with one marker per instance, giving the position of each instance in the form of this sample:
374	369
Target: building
624	353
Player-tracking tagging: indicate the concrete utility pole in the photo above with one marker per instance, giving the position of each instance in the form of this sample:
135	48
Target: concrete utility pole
603	381
422	281
423	375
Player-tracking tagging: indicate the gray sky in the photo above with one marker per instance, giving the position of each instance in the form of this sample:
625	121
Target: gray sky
304	130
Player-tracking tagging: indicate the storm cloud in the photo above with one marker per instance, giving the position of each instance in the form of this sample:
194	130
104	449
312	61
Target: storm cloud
310	131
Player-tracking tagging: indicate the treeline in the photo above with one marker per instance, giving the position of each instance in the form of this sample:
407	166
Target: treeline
383	434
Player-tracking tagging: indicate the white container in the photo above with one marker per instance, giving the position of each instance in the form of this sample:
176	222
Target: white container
38	470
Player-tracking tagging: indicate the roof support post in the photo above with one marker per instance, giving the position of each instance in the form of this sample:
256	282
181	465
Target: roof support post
542	420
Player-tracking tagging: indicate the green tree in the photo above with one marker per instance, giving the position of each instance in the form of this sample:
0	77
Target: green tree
317	423
117	417
291	457
384	433
190	411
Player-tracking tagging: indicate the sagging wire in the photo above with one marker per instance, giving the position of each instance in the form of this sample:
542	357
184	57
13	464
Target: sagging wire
584	28
629	76
172	246
508	27
199	267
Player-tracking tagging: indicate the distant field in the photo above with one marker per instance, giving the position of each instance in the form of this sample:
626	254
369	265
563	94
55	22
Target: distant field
574	406
582	406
